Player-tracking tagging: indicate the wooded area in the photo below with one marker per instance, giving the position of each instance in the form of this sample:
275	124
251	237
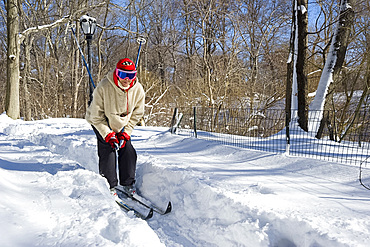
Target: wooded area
198	53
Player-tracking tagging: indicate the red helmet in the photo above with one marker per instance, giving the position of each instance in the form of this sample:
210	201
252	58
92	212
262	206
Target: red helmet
126	64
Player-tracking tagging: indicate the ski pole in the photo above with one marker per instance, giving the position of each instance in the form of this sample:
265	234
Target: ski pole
117	147
83	57
121	141
140	40
116	150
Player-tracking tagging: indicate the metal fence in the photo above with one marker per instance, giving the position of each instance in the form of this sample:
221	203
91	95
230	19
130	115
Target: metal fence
344	142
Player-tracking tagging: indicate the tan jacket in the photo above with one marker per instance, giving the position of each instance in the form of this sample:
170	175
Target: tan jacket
112	108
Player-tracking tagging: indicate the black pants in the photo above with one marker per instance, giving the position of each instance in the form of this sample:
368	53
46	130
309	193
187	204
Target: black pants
107	162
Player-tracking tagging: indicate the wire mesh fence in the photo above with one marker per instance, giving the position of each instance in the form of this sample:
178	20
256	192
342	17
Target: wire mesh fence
237	127
332	140
344	142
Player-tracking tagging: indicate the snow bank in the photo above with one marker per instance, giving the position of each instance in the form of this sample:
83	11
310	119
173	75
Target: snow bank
226	196
48	199
222	196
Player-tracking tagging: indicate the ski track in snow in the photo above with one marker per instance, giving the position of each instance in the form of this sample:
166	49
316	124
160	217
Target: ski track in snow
47	198
221	196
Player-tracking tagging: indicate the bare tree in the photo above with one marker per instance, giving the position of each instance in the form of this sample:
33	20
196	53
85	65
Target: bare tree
223	53
260	25
301	71
12	92
333	65
296	105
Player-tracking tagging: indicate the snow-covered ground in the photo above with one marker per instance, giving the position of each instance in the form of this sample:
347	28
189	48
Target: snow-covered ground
51	193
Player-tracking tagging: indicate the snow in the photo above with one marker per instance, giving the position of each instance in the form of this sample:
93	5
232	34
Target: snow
311	94
303	9
52	195
294	99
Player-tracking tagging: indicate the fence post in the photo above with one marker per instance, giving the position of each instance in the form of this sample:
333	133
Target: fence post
195	121
287	123
173	122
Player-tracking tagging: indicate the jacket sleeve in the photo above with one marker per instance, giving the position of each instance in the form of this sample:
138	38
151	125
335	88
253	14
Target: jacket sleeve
138	111
95	113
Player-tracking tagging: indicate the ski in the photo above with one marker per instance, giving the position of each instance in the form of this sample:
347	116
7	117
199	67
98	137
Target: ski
147	203
128	208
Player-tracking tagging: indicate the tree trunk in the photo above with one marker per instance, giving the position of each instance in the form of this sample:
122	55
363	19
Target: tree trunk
289	80
12	90
302	20
206	37
333	65
75	81
293	58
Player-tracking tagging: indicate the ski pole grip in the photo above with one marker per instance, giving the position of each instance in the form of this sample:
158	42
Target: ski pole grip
141	41
120	141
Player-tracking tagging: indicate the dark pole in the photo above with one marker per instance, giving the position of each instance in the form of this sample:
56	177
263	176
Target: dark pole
195	121
141	41
89	59
88	26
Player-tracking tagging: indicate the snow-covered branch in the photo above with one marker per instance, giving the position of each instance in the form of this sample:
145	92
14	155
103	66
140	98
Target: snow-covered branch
26	32
61	21
313	72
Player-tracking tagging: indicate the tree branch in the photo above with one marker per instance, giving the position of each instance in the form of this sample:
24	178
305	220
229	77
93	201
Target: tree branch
26	32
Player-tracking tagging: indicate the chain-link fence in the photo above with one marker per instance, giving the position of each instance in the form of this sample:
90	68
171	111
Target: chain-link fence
345	141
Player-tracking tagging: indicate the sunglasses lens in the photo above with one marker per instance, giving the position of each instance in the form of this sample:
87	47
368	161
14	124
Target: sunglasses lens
122	74
131	75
